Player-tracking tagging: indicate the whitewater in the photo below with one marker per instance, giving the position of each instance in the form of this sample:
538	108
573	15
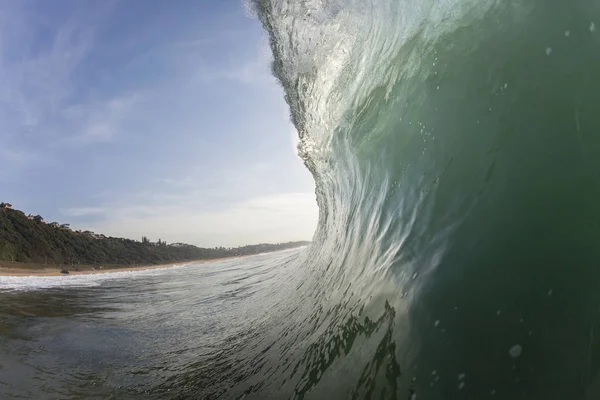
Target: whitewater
455	147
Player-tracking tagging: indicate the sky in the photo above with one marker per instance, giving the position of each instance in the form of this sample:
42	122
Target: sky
149	118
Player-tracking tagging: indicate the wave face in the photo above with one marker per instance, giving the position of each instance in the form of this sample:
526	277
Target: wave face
455	146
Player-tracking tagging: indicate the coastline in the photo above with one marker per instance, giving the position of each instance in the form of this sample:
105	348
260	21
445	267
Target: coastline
7	269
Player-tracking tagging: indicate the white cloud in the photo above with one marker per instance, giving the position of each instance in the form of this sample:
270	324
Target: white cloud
36	81
16	156
185	182
81	212
100	122
276	218
37	77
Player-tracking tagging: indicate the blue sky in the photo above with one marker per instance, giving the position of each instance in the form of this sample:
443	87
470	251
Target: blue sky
148	117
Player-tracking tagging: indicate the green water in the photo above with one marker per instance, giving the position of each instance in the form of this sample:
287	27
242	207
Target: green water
457	157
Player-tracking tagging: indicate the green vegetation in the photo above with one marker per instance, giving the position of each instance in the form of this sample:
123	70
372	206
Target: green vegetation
29	239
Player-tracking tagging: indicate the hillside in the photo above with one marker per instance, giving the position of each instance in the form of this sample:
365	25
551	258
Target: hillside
29	239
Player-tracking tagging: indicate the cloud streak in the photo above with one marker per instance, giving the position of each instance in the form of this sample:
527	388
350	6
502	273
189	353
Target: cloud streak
37	78
39	90
102	121
82	212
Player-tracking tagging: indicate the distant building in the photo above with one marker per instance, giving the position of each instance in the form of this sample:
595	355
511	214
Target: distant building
54	224
6	206
65	226
36	218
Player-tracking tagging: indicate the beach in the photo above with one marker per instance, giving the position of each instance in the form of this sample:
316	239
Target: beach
30	269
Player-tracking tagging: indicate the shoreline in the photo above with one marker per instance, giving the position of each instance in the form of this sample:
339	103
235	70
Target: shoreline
23	270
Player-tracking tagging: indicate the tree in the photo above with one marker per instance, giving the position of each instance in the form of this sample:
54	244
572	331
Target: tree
24	240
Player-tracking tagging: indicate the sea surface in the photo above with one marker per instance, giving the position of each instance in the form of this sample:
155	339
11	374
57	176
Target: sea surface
455	146
186	332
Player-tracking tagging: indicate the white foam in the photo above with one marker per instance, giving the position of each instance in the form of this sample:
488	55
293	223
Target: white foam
88	280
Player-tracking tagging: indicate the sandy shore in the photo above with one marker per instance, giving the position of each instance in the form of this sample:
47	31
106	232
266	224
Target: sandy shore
37	270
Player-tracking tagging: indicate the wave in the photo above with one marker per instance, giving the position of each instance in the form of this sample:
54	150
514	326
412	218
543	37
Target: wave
456	152
27	283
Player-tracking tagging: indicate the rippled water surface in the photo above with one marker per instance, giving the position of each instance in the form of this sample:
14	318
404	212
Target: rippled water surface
151	334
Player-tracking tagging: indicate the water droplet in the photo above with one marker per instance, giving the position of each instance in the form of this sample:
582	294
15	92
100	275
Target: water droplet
550	292
438	88
433	372
567	33
462	376
592	27
461	385
492	392
415	275
515	351
413	396
505	85
497	312
530	333
455	308
548	51
436	323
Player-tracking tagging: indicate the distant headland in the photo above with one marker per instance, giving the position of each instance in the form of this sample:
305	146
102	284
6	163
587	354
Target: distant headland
28	242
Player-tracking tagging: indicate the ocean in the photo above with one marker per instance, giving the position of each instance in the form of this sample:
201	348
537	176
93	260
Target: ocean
186	332
455	146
